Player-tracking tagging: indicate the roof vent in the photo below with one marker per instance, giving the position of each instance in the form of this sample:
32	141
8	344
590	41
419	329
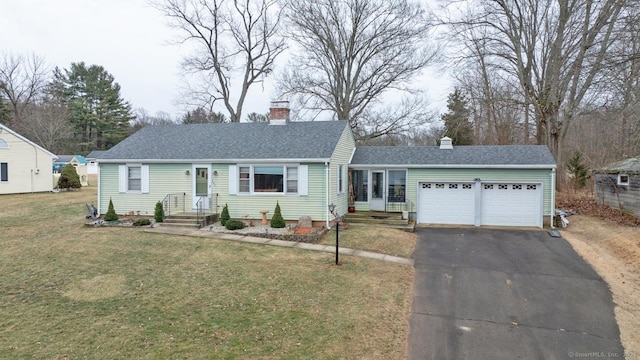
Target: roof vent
279	113
445	143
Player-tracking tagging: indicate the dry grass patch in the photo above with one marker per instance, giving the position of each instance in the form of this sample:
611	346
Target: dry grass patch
70	291
374	238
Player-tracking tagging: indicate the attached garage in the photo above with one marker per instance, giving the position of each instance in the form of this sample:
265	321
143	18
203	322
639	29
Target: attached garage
506	185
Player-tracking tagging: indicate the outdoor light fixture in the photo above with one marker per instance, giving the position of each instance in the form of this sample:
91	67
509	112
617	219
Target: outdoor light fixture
332	210
187	172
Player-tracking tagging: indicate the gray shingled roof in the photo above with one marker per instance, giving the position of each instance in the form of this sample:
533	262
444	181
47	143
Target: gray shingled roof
232	141
501	155
631	165
64	158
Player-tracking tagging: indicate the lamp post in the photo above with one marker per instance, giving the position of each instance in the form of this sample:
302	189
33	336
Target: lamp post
332	210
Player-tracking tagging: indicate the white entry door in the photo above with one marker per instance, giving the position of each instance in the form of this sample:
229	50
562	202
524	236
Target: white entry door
201	186
377	191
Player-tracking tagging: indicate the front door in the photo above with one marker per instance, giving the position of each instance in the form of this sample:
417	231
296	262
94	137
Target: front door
377	191
201	186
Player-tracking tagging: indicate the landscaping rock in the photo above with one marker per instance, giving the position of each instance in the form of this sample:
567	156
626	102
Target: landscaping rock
304	222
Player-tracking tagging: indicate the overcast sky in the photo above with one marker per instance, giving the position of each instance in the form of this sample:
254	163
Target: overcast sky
127	37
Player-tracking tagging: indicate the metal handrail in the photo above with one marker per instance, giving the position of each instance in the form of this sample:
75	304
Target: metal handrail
200	210
172	202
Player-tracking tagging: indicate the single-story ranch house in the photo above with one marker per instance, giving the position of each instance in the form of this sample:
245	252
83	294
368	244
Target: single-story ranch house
305	166
25	167
618	185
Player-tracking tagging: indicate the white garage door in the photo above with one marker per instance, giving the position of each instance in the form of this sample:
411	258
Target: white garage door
511	204
446	203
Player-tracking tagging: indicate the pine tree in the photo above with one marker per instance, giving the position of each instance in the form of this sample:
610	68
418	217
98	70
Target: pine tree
111	213
578	170
277	221
69	178
98	113
159	212
456	121
224	216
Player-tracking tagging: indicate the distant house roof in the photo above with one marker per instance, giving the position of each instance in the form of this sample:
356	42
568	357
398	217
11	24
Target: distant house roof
64	159
631	165
230	142
460	156
95	154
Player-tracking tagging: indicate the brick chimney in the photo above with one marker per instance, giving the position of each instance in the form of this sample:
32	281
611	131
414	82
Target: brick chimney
279	113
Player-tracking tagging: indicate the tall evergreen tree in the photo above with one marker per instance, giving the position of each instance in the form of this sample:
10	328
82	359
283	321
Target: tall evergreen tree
99	115
202	116
457	125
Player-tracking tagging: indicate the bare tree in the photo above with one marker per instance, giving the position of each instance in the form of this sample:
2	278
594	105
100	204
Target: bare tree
351	54
236	43
22	79
554	49
46	123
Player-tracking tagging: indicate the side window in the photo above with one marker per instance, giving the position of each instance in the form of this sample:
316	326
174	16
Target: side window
4	171
623	179
340	179
134	178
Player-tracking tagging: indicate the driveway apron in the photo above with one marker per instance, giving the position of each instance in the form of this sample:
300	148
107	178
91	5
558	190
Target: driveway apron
507	294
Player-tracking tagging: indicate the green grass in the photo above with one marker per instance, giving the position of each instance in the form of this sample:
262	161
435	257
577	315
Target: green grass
68	291
373	238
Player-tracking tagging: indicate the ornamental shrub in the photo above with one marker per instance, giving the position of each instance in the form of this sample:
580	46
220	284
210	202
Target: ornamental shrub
142	222
111	213
277	221
224	216
69	178
234	225
158	214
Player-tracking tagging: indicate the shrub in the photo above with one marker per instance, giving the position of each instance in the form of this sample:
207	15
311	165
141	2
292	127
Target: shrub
224	216
578	170
142	222
69	178
158	214
111	213
234	225
277	221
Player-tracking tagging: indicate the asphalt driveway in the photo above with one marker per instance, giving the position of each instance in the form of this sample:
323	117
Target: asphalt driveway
507	294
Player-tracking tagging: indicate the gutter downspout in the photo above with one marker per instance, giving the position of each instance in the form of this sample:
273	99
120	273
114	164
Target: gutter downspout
553	197
326	182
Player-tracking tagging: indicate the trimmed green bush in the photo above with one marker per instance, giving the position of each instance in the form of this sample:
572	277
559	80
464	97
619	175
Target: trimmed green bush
142	222
277	221
224	216
158	214
69	178
111	213
234	225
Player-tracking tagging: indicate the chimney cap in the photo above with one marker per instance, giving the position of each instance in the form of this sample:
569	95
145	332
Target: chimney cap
280	104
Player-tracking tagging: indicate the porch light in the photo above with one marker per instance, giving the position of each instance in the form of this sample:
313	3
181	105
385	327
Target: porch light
187	172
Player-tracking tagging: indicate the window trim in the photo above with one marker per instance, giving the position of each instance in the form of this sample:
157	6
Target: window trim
285	179
623	183
3	144
124	179
340	179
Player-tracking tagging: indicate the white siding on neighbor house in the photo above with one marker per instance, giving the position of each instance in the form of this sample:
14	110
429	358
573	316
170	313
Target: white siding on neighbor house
29	167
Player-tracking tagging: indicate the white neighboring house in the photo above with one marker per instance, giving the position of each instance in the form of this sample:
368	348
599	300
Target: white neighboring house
24	166
92	163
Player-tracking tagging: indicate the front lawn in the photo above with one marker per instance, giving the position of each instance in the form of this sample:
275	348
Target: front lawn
69	291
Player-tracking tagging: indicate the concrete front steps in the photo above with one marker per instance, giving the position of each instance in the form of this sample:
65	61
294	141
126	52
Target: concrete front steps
188	220
392	220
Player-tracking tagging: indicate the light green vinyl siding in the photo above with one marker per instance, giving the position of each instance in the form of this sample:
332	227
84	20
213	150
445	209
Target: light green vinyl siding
341	156
499	175
163	179
292	206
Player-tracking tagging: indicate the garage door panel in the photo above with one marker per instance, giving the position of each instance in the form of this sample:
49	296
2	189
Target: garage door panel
511	204
447	203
